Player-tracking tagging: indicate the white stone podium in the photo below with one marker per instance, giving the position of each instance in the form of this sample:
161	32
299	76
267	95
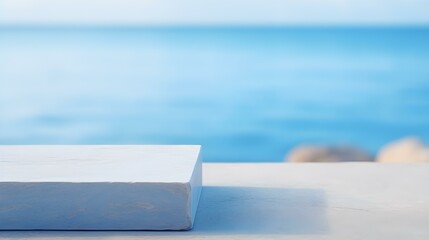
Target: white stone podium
99	187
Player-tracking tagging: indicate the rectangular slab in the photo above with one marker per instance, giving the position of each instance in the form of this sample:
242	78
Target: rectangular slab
99	187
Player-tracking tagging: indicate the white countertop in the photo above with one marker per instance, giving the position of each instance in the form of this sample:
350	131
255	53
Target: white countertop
297	201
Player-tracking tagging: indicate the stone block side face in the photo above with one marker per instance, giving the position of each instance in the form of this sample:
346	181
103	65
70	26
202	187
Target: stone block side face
94	206
196	188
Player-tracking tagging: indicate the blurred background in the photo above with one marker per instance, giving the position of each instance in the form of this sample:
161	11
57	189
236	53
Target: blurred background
251	81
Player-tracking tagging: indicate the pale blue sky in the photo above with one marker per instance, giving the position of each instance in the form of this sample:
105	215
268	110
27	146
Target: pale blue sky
223	12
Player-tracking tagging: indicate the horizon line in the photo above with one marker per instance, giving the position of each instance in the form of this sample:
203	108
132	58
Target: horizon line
264	25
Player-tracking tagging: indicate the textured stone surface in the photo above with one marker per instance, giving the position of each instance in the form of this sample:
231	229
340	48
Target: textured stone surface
335	201
315	153
409	149
124	187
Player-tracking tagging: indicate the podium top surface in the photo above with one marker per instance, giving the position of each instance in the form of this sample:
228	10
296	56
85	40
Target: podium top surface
302	201
97	163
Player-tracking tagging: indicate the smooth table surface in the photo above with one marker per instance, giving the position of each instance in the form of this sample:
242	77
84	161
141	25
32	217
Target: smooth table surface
98	163
296	201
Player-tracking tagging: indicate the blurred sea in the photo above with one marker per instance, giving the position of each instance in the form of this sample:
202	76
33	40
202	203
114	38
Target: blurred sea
245	94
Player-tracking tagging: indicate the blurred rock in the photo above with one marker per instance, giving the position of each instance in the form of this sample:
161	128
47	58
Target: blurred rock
314	153
409	149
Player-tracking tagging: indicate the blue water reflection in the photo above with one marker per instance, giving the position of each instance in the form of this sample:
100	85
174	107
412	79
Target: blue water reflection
246	94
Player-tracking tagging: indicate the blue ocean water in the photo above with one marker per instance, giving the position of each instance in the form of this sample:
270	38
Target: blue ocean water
245	94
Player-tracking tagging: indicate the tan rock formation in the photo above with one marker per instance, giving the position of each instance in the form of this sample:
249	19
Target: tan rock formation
409	149
315	153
